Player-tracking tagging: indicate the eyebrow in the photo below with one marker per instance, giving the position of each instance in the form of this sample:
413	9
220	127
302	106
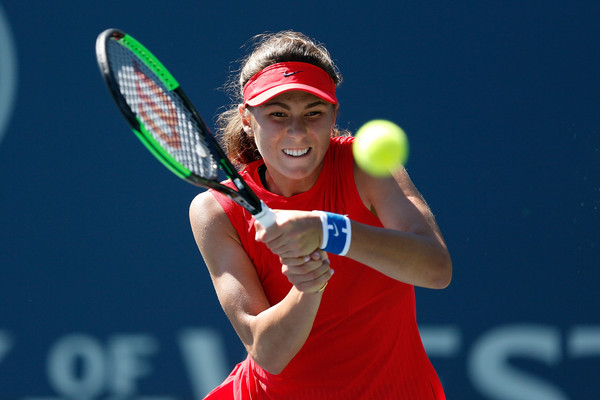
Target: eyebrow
284	105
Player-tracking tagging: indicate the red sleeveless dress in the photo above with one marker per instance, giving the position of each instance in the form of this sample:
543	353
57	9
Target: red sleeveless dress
364	343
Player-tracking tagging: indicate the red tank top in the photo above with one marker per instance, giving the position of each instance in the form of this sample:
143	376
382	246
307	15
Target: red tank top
364	343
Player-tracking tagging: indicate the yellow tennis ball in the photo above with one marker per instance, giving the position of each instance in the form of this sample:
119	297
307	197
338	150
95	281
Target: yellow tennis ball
380	147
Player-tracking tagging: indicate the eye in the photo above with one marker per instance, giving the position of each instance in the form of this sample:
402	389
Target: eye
314	113
278	114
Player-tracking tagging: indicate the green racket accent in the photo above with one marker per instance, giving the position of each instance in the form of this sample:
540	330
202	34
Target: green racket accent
165	158
226	167
151	61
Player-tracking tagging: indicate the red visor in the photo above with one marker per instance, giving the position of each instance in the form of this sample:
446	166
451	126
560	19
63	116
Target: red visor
286	76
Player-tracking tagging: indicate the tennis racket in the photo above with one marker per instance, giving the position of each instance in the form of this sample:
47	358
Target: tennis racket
166	122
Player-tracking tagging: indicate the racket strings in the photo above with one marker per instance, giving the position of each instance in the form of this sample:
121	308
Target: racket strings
163	113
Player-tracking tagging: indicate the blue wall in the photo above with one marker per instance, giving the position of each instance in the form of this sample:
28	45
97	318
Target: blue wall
103	291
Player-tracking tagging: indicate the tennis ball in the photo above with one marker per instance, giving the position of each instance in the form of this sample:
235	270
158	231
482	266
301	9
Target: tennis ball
380	147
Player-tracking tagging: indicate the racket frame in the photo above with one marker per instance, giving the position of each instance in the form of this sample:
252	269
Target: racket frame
244	195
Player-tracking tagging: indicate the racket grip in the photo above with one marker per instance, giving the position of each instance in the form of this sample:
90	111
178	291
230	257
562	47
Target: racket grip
266	216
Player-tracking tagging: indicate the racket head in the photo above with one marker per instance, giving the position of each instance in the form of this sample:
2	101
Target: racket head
163	118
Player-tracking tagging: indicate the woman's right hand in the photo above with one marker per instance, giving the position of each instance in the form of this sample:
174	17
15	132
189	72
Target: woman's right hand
294	234
308	274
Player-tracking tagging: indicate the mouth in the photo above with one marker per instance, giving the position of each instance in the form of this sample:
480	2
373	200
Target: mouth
296	152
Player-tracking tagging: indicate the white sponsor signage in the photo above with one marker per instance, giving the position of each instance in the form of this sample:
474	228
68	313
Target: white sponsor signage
8	73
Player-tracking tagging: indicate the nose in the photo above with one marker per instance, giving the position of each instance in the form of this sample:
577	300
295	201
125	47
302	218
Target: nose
296	126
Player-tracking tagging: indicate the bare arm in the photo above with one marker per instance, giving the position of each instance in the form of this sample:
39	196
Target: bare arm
272	334
410	248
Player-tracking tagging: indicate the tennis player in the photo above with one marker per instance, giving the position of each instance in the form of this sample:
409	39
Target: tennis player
310	333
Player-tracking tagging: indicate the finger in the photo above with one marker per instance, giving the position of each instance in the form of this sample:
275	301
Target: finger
317	255
294	261
273	234
261	234
314	285
306	272
276	240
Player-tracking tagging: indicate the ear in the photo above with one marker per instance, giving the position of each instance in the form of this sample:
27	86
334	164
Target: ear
245	117
336	107
335	111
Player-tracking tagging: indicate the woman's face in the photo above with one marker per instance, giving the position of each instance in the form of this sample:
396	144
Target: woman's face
292	133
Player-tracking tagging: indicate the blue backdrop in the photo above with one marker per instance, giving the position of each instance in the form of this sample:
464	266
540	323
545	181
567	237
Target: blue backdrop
104	294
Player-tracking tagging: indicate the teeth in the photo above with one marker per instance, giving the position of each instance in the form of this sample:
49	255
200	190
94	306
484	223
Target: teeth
296	152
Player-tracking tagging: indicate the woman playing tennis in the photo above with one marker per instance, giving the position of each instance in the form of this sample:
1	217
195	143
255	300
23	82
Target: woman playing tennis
310	333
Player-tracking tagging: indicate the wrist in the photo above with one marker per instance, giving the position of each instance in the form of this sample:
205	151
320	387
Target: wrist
337	233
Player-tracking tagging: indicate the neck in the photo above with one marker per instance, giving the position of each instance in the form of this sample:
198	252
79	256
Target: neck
284	186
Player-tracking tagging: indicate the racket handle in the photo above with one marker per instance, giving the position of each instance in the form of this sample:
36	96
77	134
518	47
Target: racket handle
266	216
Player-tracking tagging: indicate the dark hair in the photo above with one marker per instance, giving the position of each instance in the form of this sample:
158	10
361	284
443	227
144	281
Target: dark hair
269	49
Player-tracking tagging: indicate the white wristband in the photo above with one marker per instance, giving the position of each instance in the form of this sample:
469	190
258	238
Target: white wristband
337	233
323	217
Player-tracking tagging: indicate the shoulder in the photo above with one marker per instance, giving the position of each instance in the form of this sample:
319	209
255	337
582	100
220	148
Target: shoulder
339	154
394	199
371	189
205	207
341	143
207	217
